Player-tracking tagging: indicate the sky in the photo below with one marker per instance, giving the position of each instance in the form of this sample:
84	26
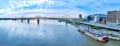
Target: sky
14	8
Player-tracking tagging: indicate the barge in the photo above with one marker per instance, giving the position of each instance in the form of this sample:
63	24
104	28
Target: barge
98	37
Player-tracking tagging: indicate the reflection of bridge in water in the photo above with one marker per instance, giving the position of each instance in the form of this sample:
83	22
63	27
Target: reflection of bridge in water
36	18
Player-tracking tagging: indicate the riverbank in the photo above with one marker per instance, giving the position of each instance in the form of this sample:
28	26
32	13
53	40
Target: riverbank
112	34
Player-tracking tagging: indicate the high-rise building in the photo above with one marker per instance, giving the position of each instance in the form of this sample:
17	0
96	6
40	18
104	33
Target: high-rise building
113	17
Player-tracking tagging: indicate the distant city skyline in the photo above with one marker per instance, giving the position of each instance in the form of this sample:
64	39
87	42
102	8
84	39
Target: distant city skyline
57	7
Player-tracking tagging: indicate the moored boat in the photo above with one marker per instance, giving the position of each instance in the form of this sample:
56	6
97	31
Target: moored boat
80	30
101	38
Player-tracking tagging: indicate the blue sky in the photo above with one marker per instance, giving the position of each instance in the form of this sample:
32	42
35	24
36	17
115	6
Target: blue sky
56	7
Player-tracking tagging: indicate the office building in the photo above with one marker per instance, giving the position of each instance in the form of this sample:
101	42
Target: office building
113	17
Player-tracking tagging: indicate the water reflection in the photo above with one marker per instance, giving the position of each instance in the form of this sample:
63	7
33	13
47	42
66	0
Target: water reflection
47	33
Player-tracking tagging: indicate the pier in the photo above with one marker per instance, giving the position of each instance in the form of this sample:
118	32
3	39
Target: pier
111	30
109	27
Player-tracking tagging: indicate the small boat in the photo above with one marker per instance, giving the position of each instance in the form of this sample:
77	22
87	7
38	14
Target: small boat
101	38
80	30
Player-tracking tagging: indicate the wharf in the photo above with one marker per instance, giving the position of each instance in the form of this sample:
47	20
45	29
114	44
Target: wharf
109	27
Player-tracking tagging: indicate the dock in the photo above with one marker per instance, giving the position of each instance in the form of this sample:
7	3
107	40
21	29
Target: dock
109	27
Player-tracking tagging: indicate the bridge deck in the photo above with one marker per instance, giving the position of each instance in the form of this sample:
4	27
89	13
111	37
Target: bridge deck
33	18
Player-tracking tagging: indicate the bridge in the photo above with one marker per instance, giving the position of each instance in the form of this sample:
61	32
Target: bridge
36	18
31	18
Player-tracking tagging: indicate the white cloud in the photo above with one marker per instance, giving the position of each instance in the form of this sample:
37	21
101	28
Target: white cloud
61	7
18	4
46	12
68	9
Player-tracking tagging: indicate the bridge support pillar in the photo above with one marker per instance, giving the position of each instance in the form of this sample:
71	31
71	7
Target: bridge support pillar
38	21
28	20
66	22
21	20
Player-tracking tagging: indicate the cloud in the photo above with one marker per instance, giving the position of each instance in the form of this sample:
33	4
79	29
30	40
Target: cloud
46	12
62	7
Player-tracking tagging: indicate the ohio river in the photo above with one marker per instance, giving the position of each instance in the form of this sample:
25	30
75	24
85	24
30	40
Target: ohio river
47	33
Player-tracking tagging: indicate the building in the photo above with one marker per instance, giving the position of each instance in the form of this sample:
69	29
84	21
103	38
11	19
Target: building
113	17
80	15
97	18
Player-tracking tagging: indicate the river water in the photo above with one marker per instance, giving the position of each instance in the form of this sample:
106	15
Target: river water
47	33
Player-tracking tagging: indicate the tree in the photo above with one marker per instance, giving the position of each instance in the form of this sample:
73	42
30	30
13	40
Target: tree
95	27
77	24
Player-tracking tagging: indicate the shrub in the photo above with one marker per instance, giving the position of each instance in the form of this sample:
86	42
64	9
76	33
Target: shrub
95	27
77	23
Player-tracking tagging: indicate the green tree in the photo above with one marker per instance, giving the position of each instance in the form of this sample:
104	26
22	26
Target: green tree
95	27
77	23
